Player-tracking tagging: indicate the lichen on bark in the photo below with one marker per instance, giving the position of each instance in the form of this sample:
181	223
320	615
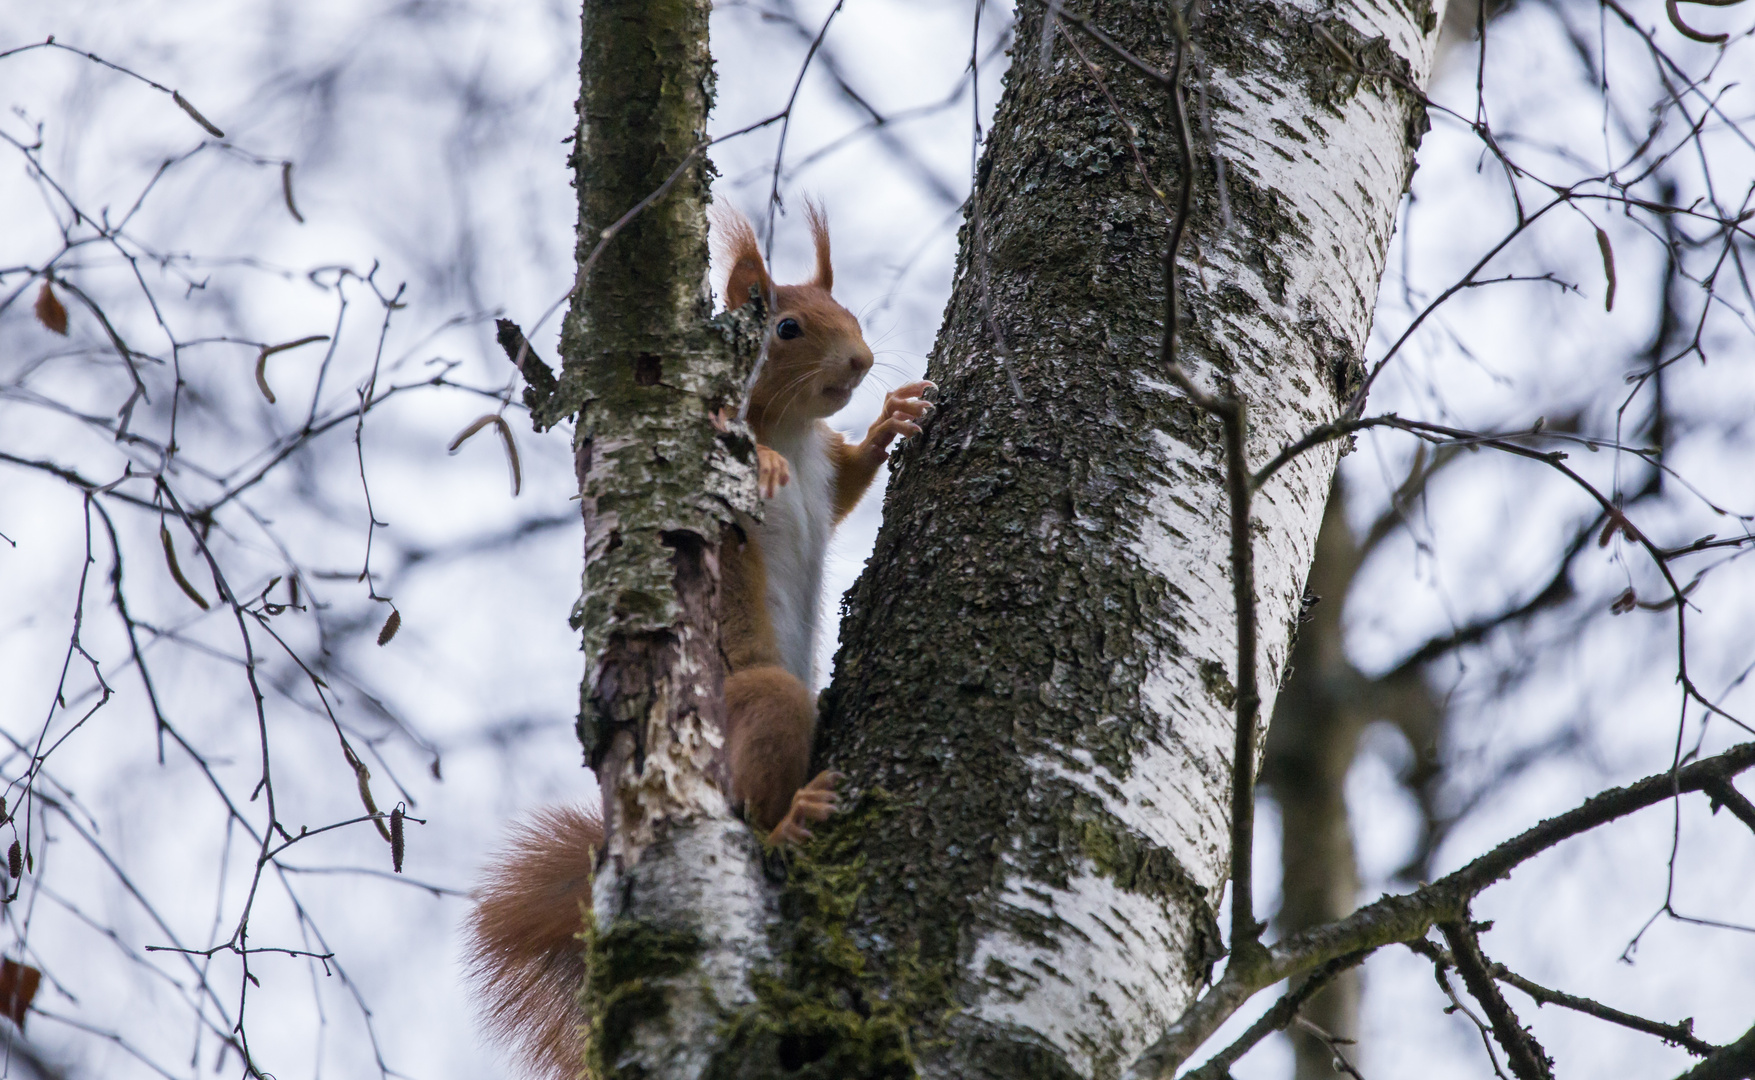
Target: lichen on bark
680	907
624	991
824	1013
1037	663
643	369
1031	698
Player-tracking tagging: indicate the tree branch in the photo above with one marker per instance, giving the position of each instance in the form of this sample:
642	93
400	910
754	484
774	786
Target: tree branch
1409	917
1681	1034
1723	794
1283	1012
1527	1059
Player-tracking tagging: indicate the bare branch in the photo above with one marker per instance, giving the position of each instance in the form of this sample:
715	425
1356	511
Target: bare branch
1723	794
1282	1013
1526	1057
1408	917
1681	1034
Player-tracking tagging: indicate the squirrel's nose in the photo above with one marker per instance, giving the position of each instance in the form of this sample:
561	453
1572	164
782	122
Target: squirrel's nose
860	362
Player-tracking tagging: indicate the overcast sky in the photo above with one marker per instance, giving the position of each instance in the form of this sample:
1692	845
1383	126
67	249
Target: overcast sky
426	140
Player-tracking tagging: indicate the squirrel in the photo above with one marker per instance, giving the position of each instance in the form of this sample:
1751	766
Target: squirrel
524	955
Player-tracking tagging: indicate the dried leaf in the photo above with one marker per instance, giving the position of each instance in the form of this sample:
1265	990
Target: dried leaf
1608	268
285	345
391	625
262	376
511	455
286	191
183	103
164	536
363	776
270	350
396	841
18	987
15	861
1624	603
50	311
463	436
511	445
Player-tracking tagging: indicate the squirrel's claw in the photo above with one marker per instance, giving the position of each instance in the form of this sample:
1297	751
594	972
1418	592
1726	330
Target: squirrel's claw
772	471
814	801
902	407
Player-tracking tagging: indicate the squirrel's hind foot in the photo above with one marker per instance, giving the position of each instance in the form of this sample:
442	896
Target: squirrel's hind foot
814	801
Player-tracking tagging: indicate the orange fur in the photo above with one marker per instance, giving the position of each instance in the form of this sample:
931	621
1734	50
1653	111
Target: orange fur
745	629
819	236
737	244
854	471
770	720
770	714
524	954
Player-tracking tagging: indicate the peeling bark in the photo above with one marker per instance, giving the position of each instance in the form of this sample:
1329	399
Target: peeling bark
1032	696
682	910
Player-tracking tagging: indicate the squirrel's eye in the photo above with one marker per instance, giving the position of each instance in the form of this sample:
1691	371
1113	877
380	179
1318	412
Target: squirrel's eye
789	329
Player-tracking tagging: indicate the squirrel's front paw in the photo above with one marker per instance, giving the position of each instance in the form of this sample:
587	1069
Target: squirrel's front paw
814	801
772	472
903	406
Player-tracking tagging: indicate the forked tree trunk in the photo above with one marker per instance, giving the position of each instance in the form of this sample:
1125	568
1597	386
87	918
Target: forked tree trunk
1032	698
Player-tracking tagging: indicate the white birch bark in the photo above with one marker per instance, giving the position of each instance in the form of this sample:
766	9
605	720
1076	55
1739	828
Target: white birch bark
1032	702
1053	702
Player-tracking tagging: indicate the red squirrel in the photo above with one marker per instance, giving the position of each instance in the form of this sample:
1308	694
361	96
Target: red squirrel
524	954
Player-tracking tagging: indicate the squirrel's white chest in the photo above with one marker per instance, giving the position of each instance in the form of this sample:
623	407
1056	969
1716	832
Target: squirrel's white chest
794	536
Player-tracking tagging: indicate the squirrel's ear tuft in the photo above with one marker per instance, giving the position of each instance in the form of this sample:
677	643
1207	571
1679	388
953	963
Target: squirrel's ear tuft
819	234
736	242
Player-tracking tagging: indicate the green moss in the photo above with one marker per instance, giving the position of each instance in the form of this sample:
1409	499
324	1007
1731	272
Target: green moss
627	967
842	1008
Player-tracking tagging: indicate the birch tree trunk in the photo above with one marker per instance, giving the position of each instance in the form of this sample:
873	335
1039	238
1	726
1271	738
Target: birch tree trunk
1032	697
1032	700
682	908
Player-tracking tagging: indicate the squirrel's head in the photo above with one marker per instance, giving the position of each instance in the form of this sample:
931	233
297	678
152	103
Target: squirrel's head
816	354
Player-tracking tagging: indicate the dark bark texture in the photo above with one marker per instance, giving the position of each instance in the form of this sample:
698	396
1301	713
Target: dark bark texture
1032	694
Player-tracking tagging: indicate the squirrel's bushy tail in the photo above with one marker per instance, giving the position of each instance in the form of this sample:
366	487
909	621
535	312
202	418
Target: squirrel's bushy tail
524	954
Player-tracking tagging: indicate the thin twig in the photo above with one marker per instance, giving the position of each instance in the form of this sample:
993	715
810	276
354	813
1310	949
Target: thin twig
1333	1042
1282	1013
1681	1034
